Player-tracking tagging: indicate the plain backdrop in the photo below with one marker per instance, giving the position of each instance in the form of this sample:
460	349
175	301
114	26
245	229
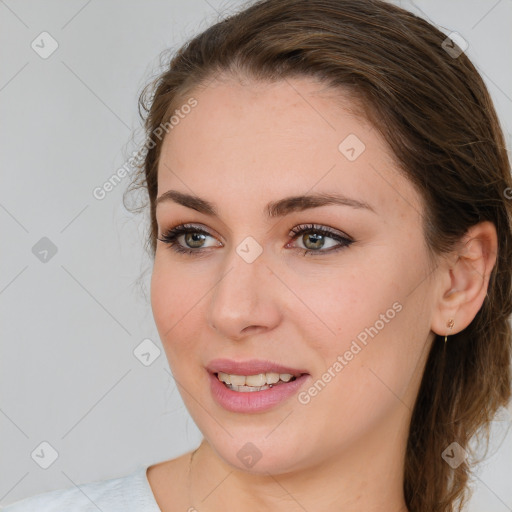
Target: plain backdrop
72	306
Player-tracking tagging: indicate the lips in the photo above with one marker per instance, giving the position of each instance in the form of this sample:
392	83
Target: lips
253	399
252	367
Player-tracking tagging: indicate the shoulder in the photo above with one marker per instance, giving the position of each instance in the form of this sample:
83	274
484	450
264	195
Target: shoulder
123	494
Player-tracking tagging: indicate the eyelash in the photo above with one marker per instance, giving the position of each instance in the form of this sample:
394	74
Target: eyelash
170	238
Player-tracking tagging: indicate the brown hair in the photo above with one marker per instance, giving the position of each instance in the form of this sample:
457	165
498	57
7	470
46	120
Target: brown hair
437	116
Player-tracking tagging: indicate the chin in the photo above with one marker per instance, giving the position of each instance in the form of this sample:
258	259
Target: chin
260	453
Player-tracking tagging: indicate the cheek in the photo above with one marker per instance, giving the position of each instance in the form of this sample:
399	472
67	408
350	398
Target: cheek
343	306
175	302
364	321
163	298
373	362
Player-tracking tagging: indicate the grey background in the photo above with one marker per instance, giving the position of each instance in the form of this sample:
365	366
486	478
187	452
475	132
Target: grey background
68	374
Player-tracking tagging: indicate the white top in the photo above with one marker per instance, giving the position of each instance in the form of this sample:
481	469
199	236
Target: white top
129	493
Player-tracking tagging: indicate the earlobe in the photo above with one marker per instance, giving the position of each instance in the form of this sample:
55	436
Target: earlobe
465	278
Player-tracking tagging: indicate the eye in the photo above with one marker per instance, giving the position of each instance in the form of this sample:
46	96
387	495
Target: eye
194	236
313	237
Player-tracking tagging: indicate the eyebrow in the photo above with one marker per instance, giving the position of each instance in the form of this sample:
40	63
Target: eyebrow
273	209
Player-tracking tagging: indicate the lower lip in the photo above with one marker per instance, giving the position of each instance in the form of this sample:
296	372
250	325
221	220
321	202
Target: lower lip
253	401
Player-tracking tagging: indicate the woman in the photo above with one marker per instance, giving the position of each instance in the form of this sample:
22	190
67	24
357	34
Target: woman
329	197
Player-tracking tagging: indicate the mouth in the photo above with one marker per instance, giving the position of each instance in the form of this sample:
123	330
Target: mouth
255	385
252	375
257	382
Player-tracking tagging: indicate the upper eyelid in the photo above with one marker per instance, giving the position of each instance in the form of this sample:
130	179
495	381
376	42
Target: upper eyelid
275	223
318	227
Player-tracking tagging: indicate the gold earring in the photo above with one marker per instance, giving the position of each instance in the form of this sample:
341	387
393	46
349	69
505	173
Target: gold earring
449	325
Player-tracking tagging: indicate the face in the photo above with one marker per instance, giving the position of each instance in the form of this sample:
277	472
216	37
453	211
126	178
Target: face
337	294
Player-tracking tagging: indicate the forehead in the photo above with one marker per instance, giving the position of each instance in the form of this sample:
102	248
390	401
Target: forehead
251	142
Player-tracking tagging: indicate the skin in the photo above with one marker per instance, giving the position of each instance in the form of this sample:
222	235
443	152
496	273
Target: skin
243	145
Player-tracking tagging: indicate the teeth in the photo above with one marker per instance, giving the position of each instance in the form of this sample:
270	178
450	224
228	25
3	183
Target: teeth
237	380
247	389
254	381
272	378
224	377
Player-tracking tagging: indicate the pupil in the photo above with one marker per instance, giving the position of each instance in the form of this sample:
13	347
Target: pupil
194	237
317	238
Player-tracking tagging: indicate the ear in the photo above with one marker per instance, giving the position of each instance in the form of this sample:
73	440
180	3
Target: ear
464	278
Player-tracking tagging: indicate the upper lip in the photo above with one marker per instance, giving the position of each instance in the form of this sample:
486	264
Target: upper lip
251	367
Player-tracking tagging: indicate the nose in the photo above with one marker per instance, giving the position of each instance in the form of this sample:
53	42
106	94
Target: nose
245	298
